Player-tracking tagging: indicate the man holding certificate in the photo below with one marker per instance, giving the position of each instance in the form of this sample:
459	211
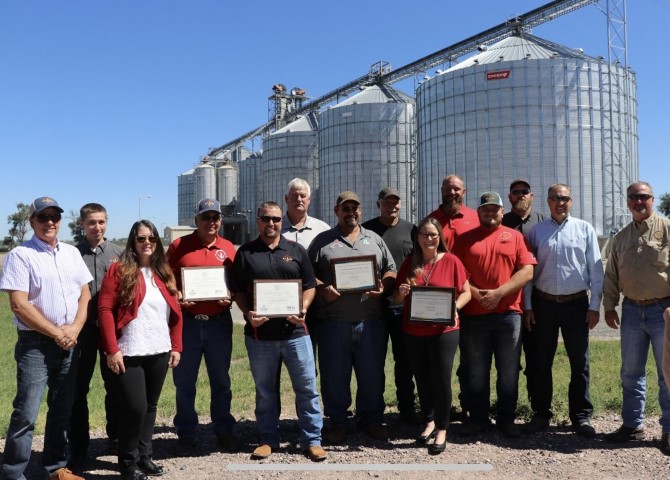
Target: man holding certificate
353	267
273	282
199	261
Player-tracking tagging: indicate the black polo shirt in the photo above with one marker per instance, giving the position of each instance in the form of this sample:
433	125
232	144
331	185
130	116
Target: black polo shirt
512	220
256	261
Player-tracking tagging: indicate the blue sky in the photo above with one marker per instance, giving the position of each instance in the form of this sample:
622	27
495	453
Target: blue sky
108	101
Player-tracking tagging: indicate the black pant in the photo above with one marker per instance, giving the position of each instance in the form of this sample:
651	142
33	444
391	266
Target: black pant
402	369
87	351
432	360
138	391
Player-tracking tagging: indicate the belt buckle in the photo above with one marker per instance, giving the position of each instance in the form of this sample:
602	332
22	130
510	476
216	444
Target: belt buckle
202	317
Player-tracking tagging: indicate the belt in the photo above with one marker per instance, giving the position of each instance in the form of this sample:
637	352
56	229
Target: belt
644	303
560	298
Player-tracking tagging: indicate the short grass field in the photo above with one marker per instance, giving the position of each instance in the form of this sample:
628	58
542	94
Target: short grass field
605	384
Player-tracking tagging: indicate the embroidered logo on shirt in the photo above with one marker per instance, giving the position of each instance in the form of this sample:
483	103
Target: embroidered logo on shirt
287	258
658	235
221	255
505	236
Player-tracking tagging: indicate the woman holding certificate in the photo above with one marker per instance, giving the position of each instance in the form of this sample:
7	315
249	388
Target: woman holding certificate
140	326
431	340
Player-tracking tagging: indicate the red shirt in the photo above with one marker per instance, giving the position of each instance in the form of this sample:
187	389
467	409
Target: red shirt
190	251
452	227
448	271
492	257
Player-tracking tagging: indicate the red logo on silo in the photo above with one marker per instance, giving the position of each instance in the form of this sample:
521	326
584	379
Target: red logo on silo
499	75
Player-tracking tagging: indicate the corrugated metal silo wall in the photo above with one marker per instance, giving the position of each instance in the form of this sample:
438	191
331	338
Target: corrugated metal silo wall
227	184
185	198
205	183
286	156
250	193
547	121
364	148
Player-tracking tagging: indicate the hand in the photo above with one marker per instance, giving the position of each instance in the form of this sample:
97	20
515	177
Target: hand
298	319
612	319
528	319
225	303
376	293
256	320
489	299
115	363
67	339
404	289
592	318
174	359
330	294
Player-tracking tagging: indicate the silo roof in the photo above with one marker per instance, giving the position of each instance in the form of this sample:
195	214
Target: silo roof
522	47
302	124
377	94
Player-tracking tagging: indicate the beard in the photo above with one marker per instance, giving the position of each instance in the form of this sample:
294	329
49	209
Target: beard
522	205
451	201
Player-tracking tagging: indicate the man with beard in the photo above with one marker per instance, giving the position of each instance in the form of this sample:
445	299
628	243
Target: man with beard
638	267
522	217
568	268
499	264
454	217
352	333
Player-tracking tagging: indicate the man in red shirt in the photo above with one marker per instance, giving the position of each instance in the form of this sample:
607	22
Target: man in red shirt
499	264
208	330
454	217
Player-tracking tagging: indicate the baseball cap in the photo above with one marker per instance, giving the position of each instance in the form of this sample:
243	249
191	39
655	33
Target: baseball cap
43	203
208	205
490	198
347	196
519	180
388	192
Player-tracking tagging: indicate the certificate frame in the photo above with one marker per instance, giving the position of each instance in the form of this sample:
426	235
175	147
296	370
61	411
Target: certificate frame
426	305
268	292
204	283
362	272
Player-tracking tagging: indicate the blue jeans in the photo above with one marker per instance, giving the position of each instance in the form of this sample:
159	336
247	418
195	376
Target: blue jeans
265	358
641	326
40	363
360	346
484	337
213	339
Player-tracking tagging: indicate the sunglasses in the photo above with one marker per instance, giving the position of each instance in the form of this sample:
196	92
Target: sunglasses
520	191
45	217
640	196
144	238
432	236
268	218
211	218
559	198
347	209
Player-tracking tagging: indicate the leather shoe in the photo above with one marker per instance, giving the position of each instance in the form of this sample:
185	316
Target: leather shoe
537	424
335	434
261	452
665	443
624	434
316	453
423	439
509	429
135	474
437	448
64	474
584	429
377	432
229	442
147	465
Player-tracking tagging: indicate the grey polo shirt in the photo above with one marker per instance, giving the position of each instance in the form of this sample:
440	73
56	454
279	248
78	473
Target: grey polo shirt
98	261
305	234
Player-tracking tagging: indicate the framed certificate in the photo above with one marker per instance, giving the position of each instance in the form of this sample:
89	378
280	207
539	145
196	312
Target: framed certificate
277	298
354	274
433	305
204	283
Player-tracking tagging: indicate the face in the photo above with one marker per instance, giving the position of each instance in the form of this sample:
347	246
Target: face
389	208
453	191
560	203
269	223
520	197
144	246
348	214
208	224
46	225
640	201
490	216
297	200
428	238
94	227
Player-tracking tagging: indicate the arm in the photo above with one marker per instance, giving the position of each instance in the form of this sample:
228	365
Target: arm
611	290
491	298
34	320
307	299
72	331
242	301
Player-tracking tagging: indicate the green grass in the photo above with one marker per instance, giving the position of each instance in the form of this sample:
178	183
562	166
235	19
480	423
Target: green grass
605	384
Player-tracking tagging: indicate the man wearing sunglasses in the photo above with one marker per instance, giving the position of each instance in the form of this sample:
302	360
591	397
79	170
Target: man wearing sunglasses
47	282
638	267
521	217
207	331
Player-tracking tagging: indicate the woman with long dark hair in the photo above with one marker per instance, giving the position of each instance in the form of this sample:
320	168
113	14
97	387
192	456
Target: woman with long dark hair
140	326
431	346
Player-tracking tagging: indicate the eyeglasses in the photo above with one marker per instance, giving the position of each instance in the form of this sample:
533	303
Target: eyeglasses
432	236
346	209
211	218
45	217
559	198
144	238
520	191
640	196
268	218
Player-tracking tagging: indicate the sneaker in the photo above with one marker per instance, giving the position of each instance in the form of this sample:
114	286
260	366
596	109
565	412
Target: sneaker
376	432
229	442
536	424
509	429
665	443
316	453
261	452
624	434
336	434
584	429
186	446
64	474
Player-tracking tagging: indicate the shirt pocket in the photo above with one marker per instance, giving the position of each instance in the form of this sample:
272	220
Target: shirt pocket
655	253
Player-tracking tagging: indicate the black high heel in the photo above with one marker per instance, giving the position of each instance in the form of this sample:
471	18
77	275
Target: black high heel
423	439
437	448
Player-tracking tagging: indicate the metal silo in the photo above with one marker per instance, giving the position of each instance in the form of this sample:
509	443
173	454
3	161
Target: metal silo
290	152
250	189
529	108
364	146
205	183
185	197
226	183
